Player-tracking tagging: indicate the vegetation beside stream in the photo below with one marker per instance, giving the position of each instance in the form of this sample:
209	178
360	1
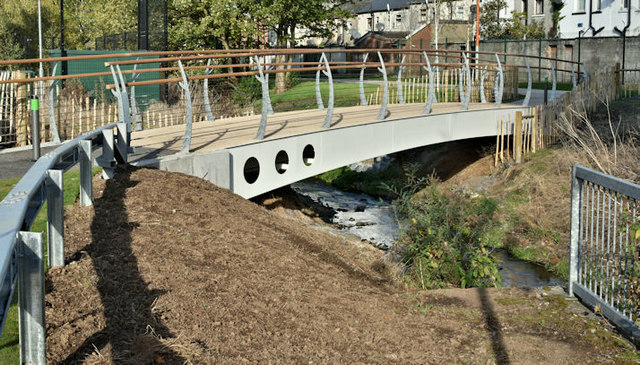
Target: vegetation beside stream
452	223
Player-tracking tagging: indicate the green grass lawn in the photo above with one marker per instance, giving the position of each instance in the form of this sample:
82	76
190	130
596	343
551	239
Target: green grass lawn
303	95
9	349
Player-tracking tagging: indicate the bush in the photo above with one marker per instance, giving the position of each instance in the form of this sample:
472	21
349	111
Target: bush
443	244
247	91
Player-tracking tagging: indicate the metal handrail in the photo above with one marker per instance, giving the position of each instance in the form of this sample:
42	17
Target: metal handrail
20	207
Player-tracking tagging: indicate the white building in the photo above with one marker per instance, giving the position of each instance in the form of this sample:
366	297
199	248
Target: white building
589	16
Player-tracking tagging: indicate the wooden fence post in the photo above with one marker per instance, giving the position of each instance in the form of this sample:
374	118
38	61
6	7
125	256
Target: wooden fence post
517	138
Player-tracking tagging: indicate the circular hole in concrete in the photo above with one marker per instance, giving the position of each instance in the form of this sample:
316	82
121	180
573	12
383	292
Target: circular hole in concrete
282	162
308	155
251	170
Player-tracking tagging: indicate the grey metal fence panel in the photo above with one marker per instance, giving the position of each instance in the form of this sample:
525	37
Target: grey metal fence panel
605	243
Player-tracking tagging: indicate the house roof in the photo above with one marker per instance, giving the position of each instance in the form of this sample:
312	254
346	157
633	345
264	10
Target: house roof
381	5
386	36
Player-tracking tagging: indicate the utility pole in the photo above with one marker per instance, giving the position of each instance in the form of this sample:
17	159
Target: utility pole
40	69
63	52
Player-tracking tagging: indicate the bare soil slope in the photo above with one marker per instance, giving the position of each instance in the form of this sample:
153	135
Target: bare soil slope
169	269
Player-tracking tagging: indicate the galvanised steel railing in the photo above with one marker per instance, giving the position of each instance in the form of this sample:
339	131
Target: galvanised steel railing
22	252
605	235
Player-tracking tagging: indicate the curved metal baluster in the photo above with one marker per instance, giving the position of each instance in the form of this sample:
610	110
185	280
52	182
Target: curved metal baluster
265	95
55	136
205	94
499	84
431	92
318	93
399	84
363	98
329	117
465	94
268	99
184	84
125	102
527	97
117	94
382	115
134	107
483	97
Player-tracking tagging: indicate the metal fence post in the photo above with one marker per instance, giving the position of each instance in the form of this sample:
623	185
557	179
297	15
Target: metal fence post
553	79
574	81
31	298
55	217
329	117
122	143
574	253
382	115
35	127
363	98
483	97
107	161
86	185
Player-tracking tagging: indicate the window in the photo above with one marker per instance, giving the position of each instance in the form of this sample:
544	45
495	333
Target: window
370	22
625	4
460	12
423	15
539	7
597	5
579	6
398	20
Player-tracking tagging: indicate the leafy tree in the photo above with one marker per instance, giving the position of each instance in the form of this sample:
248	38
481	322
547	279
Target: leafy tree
319	17
207	24
19	21
492	26
86	20
516	29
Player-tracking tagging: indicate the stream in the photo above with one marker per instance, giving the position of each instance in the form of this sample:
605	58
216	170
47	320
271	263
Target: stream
374	220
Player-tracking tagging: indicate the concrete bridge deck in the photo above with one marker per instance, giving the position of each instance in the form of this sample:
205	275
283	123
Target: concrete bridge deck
226	133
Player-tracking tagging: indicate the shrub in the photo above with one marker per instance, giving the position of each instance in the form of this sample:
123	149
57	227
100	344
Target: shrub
443	244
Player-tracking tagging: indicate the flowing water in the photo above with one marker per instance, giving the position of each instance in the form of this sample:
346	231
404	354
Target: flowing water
375	221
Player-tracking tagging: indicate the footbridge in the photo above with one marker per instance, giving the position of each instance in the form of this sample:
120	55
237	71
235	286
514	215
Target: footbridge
218	115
